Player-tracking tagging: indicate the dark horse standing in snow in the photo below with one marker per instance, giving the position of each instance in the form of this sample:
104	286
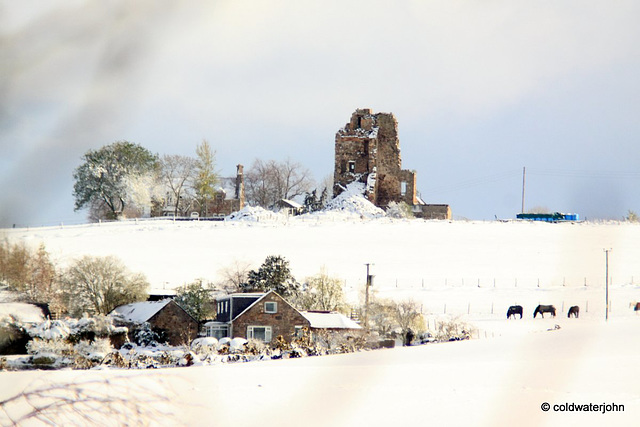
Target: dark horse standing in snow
574	311
544	309
513	310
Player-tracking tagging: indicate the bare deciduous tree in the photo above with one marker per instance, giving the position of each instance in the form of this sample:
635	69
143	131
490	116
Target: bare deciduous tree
178	174
97	285
269	182
234	275
321	292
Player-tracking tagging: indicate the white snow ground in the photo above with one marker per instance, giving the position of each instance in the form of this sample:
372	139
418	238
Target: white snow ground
474	270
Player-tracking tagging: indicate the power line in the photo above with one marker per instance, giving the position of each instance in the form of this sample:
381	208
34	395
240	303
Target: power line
560	173
472	182
584	173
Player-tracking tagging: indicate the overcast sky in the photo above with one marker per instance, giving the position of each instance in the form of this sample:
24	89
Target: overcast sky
480	90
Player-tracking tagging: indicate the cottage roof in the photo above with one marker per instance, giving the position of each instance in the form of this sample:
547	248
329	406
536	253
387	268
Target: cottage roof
329	320
23	312
259	297
139	312
290	204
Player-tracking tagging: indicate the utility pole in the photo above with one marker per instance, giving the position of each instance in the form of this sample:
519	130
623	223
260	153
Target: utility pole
524	174
366	297
606	292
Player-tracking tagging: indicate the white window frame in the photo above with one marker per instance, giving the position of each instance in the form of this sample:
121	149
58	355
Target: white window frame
275	307
268	332
222	329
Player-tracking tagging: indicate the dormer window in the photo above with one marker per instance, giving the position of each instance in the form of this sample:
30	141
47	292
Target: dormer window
271	307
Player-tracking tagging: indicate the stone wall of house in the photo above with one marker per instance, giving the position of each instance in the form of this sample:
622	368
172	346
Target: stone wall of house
283	322
179	326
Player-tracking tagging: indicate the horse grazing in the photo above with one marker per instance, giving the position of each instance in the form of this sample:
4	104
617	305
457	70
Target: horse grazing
513	310
544	309
574	311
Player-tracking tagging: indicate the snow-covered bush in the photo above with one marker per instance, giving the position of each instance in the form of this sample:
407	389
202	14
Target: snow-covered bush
204	346
95	351
400	210
238	345
51	330
453	329
56	352
145	336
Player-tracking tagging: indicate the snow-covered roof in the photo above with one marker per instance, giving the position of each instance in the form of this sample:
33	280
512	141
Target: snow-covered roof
23	312
291	203
242	295
329	320
139	312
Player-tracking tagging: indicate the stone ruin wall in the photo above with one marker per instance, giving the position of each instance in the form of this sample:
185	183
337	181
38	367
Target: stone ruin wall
370	143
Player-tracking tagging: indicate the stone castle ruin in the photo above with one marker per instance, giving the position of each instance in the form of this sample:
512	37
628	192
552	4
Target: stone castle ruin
367	150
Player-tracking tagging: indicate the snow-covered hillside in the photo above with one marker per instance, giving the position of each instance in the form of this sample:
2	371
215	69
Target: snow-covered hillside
457	267
470	269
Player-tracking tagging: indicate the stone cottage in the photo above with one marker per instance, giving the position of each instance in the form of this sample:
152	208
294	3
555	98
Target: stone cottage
367	150
264	316
165	317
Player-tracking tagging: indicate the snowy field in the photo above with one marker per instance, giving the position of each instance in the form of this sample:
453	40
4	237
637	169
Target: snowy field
473	270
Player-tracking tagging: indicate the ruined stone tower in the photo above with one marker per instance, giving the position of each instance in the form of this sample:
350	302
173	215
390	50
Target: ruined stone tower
368	150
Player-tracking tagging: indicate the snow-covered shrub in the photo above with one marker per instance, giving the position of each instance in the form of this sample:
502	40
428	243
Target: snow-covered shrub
204	346
94	351
256	347
189	359
38	346
145	336
453	329
339	342
400	210
238	345
115	359
50	352
51	330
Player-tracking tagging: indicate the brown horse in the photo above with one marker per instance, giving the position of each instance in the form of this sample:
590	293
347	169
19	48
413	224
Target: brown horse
544	309
574	311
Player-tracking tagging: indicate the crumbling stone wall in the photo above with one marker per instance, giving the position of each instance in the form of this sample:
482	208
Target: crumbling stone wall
368	147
